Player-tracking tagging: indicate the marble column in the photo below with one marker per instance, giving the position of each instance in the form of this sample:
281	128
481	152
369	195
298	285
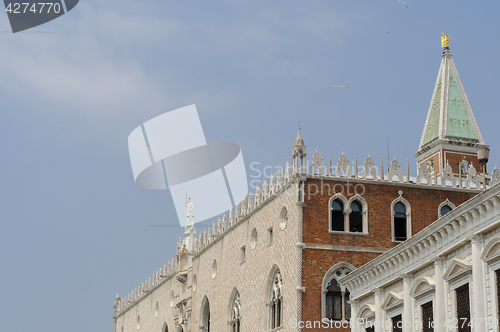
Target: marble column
379	313
478	293
407	304
440	295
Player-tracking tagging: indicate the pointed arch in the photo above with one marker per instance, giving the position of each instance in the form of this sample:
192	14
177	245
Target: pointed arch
205	315
234	314
446	203
338	214
401	220
164	328
364	213
274	299
331	289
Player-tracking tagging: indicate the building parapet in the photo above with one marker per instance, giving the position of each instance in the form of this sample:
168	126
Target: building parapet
286	176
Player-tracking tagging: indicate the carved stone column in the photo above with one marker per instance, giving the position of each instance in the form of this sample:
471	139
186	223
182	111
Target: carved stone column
407	304
354	316
379	313
478	291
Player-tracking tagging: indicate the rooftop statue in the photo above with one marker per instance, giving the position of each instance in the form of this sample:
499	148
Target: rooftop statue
445	40
189	212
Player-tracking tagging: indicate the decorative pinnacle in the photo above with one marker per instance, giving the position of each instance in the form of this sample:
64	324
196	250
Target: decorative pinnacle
299	140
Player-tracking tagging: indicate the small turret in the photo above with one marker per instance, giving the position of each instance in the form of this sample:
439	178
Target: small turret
299	150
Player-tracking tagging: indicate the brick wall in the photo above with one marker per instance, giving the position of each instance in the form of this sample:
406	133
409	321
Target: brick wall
424	203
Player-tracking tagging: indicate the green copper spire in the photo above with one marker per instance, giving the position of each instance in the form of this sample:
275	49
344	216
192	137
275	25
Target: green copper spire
450	116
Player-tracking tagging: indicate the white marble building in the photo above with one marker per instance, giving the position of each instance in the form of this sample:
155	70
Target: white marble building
241	275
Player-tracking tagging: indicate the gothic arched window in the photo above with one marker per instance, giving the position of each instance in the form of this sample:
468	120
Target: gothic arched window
356	217
335	299
205	318
337	215
235	314
445	209
399	222
276	305
337	302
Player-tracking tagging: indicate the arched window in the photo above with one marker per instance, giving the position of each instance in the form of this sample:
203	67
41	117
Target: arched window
205	318
337	215
445	207
356	217
235	313
276	305
401	219
164	328
400	229
335	300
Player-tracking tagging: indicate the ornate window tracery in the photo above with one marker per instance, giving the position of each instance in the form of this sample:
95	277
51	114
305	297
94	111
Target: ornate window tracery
276	305
235	323
348	215
335	299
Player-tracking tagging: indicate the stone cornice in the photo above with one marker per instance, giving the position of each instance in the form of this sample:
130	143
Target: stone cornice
390	183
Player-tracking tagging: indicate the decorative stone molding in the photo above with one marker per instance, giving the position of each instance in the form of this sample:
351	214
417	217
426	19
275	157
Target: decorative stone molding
491	253
424	171
423	289
448	176
472	177
457	272
393	304
343	165
367	313
446	202
495	176
395	170
369	168
317	163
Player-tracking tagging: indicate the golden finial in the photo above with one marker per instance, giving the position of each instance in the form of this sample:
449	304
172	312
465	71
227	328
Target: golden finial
445	40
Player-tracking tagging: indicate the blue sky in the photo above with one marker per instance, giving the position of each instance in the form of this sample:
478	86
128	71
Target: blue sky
74	226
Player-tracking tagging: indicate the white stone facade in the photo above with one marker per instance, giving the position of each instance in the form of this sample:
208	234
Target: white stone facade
242	259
